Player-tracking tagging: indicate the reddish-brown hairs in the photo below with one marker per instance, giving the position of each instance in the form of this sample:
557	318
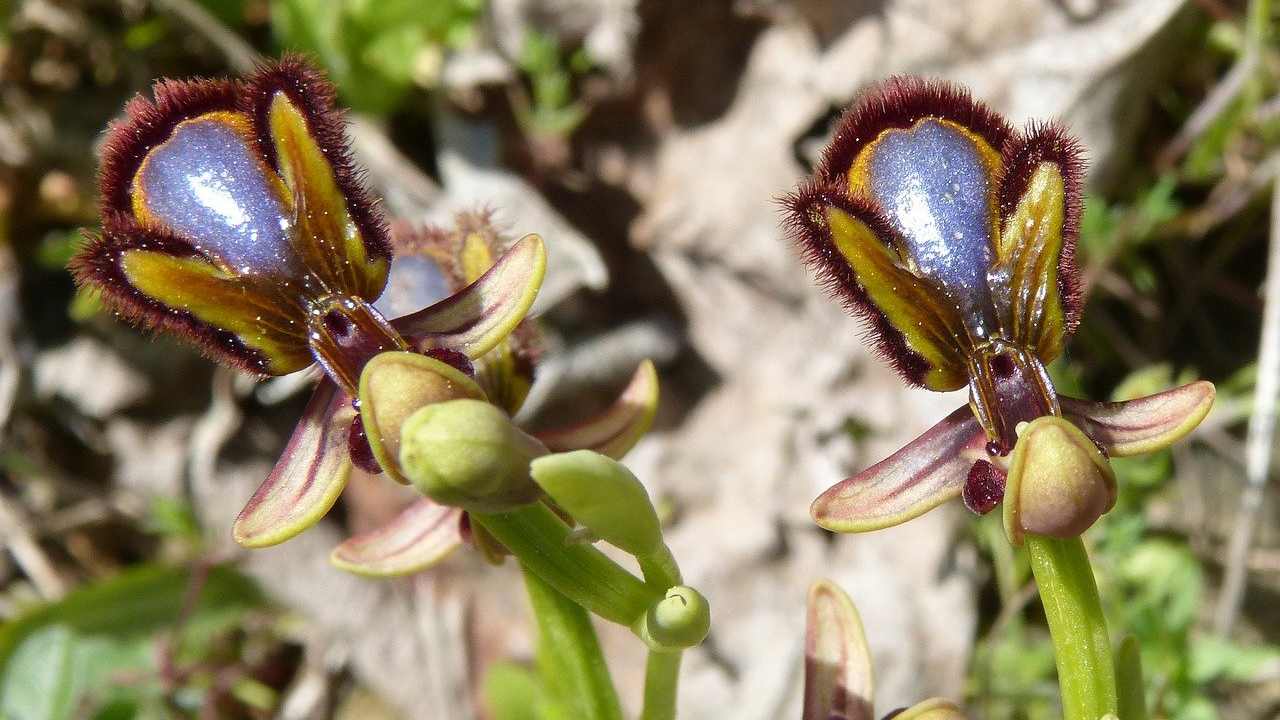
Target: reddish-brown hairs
900	102
1022	154
316	98
148	123
97	265
806	226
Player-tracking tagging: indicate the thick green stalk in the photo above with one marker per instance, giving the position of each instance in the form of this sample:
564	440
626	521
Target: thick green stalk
540	540
661	677
1081	645
569	654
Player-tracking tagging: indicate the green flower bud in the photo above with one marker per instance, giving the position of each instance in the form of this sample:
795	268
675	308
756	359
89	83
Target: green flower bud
467	453
1059	482
681	619
394	385
603	496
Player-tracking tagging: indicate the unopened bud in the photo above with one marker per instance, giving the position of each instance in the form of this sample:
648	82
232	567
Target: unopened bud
603	496
1059	482
393	386
467	453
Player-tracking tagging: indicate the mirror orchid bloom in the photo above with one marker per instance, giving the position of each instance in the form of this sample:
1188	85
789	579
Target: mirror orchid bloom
395	385
953	237
233	216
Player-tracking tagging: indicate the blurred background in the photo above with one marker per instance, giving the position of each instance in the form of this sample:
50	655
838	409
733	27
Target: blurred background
647	141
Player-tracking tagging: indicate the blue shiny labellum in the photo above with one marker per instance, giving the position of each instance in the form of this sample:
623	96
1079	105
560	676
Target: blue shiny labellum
414	282
934	188
206	183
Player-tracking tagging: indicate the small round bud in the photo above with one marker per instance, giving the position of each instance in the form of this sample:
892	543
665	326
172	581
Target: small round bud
467	453
681	619
1059	483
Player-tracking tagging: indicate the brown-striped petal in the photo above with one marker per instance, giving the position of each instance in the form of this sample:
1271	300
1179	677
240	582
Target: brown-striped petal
1145	424
422	535
308	477
925	473
617	429
932	709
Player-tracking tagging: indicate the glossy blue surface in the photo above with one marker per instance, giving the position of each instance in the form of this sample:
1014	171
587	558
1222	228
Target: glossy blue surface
933	186
206	184
414	283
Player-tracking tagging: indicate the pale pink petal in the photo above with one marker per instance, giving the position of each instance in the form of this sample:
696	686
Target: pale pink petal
422	535
838	682
475	319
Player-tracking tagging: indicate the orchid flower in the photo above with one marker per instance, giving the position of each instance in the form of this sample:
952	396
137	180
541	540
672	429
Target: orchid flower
953	237
839	681
427	531
234	217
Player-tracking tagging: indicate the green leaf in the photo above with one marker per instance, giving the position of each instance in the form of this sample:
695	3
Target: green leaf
230	12
64	659
40	681
371	48
133	604
1166	576
513	692
1129	686
172	517
1213	658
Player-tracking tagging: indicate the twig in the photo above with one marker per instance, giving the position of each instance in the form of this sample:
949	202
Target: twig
15	534
214	428
9	365
1230	195
1013	607
170	648
1261	430
240	55
1227	89
441	627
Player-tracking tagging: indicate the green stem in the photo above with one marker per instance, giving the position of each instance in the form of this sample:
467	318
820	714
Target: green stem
569	654
660	568
1081	644
661	677
539	539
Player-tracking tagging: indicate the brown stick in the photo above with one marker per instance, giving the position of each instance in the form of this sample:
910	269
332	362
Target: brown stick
1261	429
